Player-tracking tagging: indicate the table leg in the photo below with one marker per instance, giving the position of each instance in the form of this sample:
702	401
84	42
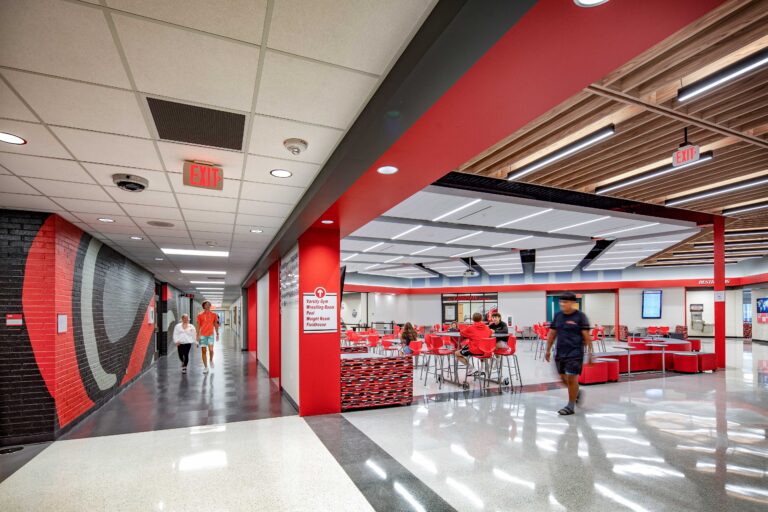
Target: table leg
629	363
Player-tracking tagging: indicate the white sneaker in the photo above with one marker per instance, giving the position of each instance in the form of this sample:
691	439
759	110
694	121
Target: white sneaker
205	370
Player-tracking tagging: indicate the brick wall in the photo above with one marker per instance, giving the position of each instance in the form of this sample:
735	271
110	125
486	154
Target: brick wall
50	380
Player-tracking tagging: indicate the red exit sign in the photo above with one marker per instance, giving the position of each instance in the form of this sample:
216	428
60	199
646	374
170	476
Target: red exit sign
197	174
685	155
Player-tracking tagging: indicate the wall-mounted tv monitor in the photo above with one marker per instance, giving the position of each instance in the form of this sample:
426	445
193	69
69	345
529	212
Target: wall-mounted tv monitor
762	311
651	304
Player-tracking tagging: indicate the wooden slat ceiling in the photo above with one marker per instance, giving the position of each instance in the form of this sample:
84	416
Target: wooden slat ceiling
639	98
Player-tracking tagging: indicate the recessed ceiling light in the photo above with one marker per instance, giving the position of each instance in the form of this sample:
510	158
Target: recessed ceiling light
158	259
281	173
327	221
387	169
211	272
106	219
589	3
195	252
12	139
137	238
257	230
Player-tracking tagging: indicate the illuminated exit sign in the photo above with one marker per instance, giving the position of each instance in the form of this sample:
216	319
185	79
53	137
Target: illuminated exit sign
685	155
202	175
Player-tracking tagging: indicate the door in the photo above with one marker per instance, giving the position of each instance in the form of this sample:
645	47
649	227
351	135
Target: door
553	305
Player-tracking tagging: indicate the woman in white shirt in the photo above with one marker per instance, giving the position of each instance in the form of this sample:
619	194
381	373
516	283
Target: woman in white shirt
184	336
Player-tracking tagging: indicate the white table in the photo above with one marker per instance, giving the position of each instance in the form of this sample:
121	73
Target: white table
629	357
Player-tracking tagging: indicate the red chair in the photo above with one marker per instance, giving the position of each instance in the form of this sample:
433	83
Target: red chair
503	356
387	347
437	354
652	331
485	348
373	342
664	331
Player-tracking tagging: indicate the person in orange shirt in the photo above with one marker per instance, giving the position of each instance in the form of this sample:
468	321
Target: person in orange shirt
477	330
207	324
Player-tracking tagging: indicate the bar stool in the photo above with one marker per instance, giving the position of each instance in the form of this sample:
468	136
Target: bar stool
503	356
437	354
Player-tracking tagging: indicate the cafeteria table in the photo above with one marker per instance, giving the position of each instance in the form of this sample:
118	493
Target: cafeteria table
453	334
663	355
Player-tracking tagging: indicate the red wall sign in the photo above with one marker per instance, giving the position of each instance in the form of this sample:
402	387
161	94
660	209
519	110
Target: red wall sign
684	155
13	320
202	175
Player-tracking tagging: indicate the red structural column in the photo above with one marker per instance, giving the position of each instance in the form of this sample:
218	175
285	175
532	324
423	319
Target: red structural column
251	318
274	321
319	352
719	234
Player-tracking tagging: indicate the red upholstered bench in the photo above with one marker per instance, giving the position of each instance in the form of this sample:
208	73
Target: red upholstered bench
695	344
594	373
686	362
621	357
612	367
678	346
707	362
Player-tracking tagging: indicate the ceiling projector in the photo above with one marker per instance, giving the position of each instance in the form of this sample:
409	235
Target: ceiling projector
470	272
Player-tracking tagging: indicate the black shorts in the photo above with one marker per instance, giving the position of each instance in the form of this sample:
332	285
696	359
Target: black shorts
569	365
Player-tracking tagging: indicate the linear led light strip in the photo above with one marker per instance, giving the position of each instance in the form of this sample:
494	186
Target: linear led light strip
464	237
210	272
407	231
716	192
351	256
423	250
394	259
731	244
543	256
727	74
373	247
194	252
579	224
653	173
525	218
206	282
372	266
745	209
465	252
628	229
456	210
513	241
563	152
656	242
747	232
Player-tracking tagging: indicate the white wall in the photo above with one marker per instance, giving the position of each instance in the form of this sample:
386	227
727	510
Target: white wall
525	308
672	308
600	308
733	313
289	333
424	309
353	301
382	307
759	331
262	320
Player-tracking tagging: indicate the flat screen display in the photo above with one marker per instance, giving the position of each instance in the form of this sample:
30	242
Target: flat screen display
762	311
651	304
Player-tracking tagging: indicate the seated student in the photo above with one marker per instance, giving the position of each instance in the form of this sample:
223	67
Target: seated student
407	335
498	326
454	327
475	331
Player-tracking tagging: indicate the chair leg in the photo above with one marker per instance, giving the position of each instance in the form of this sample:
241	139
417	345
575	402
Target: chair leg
517	371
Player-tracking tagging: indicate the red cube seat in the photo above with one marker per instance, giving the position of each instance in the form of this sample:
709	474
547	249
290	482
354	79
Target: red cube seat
594	373
686	362
612	366
695	344
707	362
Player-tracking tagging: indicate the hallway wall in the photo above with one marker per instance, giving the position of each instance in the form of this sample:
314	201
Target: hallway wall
52	271
262	320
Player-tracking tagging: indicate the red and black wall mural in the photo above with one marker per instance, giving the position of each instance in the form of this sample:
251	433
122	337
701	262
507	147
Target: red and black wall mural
85	332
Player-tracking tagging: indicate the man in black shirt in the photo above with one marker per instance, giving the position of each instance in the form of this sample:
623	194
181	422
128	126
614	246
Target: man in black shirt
571	329
499	327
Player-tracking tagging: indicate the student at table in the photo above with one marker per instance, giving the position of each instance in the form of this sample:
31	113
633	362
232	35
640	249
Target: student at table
477	330
454	327
408	335
498	326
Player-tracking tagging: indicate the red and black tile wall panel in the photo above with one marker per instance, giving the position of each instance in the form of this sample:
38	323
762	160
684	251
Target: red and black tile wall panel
50	379
376	382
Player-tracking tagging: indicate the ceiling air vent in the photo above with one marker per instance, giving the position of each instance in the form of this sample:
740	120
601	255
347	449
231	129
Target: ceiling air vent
197	125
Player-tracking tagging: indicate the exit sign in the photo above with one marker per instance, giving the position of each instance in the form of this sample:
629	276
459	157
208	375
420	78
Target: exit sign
685	155
202	175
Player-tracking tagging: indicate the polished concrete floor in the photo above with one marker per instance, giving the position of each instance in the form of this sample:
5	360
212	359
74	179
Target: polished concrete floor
688	442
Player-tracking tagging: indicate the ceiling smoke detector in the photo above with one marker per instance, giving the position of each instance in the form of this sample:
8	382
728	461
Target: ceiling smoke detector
295	146
130	182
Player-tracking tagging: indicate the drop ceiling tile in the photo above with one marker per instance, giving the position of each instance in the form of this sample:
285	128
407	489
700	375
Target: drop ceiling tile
257	168
93	107
11	106
211	226
26	202
109	149
190	66
103	174
201	237
3	171
256	221
360	35
114	229
46	168
268	192
169	214
15	185
147	197
297	89
245	232
231	188
101	208
264	208
174	155
193	216
238	19
62	39
40	142
93	219
53	188
180	233
218	204
268	134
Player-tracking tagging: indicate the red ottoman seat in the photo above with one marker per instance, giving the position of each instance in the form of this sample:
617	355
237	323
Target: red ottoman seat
707	362
594	373
612	368
686	362
695	345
